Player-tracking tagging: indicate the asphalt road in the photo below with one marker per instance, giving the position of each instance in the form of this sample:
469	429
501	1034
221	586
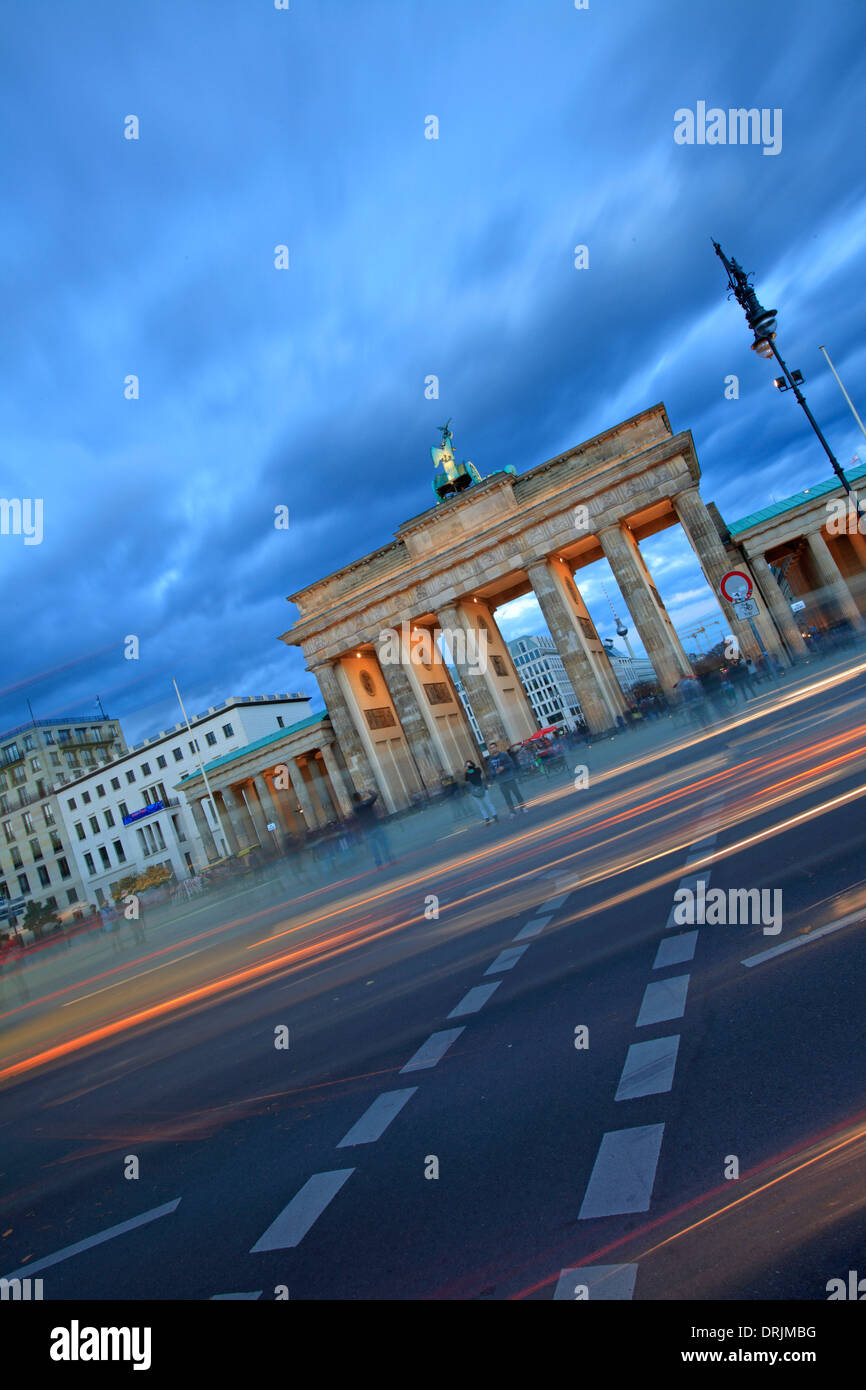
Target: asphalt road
550	1084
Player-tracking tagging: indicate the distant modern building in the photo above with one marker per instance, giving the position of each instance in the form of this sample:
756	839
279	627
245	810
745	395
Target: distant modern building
629	670
36	759
542	674
125	817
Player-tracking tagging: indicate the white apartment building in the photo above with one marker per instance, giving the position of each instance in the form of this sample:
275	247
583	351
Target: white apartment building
36	758
123	818
629	670
547	687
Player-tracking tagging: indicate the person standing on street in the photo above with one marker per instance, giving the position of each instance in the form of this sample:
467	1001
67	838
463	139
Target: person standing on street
477	784
365	812
502	772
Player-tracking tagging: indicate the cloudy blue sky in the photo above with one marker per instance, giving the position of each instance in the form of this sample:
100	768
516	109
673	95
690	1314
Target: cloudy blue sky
408	256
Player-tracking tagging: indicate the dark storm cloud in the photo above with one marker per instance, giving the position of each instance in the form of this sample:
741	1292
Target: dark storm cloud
409	257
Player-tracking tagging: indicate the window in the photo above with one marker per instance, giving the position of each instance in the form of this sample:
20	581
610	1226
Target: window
118	850
80	831
28	743
109	819
72	896
44	877
28	822
36	850
145	769
379	718
100	790
35	765
145	847
56	842
63	735
94	824
8	831
280	722
103	854
23	883
86	798
115	784
161	760
63	866
71	803
130	776
91	867
87	757
193	747
211	738
49	737
177	754
81	735
17	861
228	731
124	812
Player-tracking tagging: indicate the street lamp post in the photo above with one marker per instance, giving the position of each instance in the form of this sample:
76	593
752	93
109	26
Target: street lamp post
763	324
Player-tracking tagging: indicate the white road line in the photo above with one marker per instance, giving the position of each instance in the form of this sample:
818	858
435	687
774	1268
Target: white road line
533	928
474	1000
675	949
305	1207
217	1297
690	882
663	999
130	978
69	1250
376	1118
649	1068
624	1172
506	960
803	940
554	903
599	1281
433	1050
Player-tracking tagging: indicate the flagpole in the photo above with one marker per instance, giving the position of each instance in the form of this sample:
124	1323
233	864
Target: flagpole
214	807
842	389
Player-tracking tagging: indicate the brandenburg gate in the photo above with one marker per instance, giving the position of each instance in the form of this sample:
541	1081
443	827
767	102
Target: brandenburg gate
486	541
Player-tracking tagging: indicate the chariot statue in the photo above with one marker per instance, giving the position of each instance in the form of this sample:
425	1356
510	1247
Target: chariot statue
455	477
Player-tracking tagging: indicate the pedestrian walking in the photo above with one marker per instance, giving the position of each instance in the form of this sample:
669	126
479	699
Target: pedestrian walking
478	789
502	772
364	807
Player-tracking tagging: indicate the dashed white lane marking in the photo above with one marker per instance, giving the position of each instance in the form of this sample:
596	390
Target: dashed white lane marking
474	999
305	1207
129	979
663	999
433	1050
506	960
599	1281
69	1250
701	851
675	949
649	1068
235	1297
624	1172
803	940
533	928
554	903
376	1118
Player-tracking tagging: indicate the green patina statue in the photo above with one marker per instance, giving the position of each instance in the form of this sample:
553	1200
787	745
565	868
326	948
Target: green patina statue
456	477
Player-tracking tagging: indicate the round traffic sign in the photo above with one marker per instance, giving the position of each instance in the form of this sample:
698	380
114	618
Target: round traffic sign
736	585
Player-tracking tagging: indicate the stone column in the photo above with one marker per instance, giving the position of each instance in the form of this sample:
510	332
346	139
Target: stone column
250	800
452	619
715	563
572	631
203	831
311	782
778	605
341	792
235	842
411	717
360	770
268	808
311	820
283	801
830	579
663	647
242	821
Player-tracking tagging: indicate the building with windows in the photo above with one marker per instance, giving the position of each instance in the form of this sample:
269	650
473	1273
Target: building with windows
128	816
36	760
543	677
